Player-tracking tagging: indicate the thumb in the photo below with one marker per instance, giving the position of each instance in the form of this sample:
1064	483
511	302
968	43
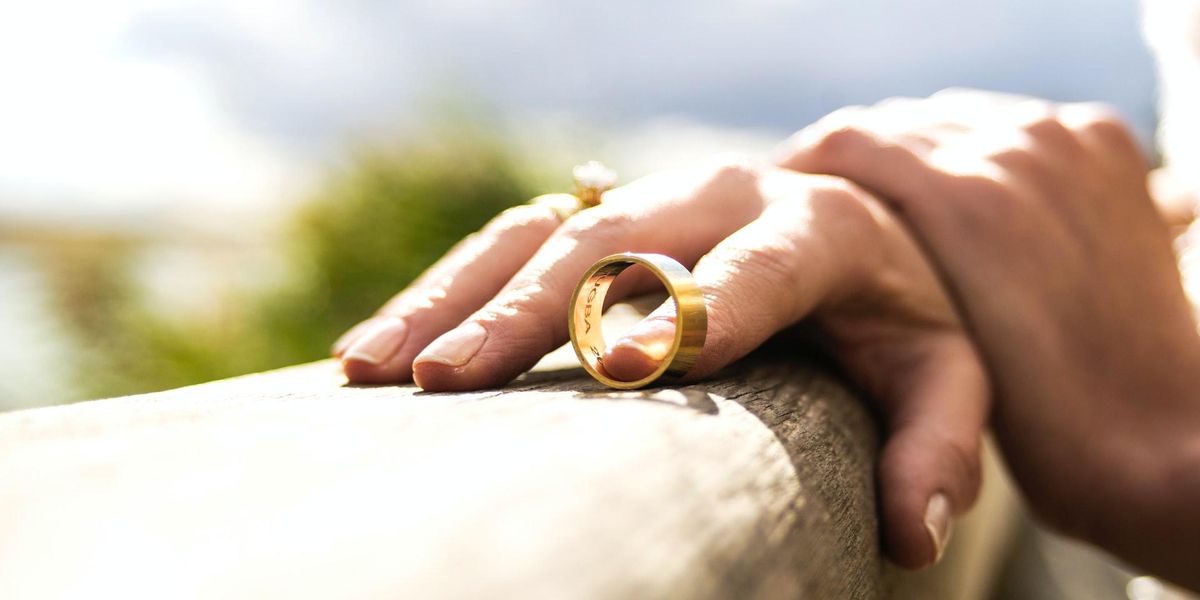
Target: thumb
929	469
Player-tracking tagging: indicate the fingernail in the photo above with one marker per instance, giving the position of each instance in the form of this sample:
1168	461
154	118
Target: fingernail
456	347
352	336
937	523
379	342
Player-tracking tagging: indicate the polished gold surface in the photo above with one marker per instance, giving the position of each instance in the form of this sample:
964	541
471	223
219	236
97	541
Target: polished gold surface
691	318
563	205
592	179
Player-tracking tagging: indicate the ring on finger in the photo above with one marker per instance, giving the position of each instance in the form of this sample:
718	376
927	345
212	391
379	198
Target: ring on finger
592	179
691	317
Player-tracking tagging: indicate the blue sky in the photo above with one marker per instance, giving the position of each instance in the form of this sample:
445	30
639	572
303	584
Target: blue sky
138	106
159	113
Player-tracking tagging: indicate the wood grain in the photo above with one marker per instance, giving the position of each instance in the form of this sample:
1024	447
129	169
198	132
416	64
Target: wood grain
755	484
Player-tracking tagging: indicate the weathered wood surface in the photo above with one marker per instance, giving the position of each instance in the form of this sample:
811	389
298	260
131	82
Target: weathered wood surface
291	484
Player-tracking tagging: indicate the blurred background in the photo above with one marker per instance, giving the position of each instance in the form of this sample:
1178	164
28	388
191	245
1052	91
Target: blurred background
196	189
193	189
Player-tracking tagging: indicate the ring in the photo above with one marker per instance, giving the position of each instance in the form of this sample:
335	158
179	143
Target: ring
691	318
592	179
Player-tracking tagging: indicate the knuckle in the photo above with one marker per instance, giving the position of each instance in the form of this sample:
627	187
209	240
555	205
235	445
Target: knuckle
1040	119
1098	120
730	168
836	188
829	139
734	166
846	205
838	143
1035	123
1012	160
731	163
1108	127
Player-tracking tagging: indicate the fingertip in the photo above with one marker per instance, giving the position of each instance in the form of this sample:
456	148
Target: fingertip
906	500
373	355
925	483
351	335
930	467
489	371
360	371
641	350
436	377
444	364
628	360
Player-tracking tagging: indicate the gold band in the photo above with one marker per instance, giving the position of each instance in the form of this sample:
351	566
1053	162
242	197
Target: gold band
592	179
563	205
691	318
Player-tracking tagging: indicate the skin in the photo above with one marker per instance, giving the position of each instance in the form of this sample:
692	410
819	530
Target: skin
1029	219
769	247
1038	217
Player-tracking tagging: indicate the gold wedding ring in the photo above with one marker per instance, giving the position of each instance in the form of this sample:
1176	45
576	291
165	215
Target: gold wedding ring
592	179
691	318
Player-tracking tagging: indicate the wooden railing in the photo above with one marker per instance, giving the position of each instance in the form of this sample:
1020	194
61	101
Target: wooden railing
758	483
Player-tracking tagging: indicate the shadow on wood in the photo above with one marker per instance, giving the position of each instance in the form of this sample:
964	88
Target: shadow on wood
756	483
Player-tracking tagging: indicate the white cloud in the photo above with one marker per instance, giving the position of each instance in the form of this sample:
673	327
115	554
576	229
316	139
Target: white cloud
85	127
143	104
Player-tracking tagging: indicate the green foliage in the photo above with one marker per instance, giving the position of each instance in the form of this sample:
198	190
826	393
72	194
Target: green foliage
370	231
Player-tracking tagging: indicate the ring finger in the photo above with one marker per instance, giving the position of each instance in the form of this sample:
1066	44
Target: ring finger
681	214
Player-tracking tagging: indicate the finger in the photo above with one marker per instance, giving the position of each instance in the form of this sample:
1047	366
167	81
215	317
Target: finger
381	349
529	317
767	276
352	334
917	120
929	468
1102	128
459	256
857	151
639	351
915	180
916	123
937	399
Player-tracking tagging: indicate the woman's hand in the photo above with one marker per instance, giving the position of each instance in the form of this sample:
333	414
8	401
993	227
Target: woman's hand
769	247
1038	217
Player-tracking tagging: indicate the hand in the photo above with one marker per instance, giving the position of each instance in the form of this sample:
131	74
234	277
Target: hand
1038	217
769	247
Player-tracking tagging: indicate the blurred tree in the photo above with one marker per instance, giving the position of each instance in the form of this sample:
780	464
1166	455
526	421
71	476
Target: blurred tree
369	232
